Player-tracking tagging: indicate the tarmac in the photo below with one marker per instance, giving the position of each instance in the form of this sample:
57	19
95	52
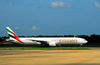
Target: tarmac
50	57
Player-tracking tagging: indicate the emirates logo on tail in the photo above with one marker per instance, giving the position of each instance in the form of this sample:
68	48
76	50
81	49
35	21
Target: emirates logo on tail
12	34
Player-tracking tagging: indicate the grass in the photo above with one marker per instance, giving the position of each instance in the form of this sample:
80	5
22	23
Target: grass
44	48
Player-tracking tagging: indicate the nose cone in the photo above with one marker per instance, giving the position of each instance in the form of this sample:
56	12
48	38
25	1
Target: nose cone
85	41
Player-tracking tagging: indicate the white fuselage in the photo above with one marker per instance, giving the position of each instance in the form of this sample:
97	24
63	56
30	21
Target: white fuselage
52	41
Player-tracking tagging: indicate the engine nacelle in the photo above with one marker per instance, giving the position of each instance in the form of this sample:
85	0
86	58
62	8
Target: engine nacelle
52	44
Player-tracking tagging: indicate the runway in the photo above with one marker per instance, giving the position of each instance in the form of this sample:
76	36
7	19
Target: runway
50	57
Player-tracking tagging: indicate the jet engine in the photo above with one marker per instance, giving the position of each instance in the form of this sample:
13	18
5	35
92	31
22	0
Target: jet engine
52	44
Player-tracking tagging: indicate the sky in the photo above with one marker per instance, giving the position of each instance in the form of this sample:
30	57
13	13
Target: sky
50	17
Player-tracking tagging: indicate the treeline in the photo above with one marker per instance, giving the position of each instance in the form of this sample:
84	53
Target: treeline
91	39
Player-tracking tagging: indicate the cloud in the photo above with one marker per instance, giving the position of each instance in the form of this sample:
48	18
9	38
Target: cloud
97	4
16	28
57	4
60	4
34	28
69	5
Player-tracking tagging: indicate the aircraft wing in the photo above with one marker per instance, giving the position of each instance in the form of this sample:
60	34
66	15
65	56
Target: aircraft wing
42	42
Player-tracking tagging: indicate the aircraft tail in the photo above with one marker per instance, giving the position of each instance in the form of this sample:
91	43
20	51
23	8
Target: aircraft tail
12	35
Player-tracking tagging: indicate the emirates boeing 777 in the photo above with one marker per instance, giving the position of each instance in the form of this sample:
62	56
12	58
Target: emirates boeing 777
52	41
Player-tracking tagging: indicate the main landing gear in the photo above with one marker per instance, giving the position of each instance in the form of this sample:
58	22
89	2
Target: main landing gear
81	45
44	45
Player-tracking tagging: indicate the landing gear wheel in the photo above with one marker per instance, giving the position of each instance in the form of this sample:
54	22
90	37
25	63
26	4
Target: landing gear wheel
58	45
44	45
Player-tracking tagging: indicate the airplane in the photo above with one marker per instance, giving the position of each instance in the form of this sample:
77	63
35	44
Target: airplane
47	41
